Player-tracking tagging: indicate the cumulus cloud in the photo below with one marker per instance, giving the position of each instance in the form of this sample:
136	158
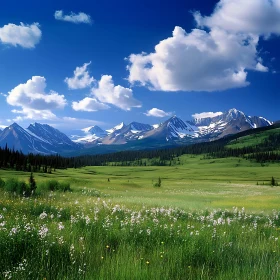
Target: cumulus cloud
31	114
261	68
81	78
89	104
260	17
206	115
157	113
24	35
196	61
72	17
216	55
103	92
107	92
35	103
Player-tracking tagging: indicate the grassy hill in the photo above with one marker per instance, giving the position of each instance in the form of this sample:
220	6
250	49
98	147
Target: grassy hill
254	139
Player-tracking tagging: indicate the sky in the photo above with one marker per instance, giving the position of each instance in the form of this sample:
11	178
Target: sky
74	64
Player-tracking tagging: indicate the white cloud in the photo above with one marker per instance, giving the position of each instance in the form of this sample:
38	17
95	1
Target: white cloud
261	68
72	17
24	35
196	61
89	104
206	115
107	92
32	114
157	113
34	102
81	78
261	17
212	59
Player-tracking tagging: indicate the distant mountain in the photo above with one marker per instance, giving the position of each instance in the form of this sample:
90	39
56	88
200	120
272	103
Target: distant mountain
230	122
171	130
95	130
122	133
44	139
53	136
37	139
90	134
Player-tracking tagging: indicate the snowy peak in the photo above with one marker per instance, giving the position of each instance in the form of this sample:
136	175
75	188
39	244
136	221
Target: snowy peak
37	139
233	114
95	130
117	127
172	129
140	127
51	135
177	128
230	122
90	134
122	133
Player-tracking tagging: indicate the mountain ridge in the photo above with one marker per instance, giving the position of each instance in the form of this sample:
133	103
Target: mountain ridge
44	139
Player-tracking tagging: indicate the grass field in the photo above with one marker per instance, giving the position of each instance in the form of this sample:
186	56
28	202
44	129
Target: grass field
210	219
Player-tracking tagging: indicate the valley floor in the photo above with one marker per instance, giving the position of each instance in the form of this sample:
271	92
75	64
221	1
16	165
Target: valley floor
209	219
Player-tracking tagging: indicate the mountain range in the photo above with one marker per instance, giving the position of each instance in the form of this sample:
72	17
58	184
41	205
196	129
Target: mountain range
44	139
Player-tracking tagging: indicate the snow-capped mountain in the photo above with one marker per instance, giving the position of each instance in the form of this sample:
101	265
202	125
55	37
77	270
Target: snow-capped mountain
230	122
116	128
90	134
176	130
171	130
95	130
122	133
51	135
37	139
44	139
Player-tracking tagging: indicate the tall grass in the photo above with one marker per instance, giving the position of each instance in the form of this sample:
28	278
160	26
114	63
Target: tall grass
77	236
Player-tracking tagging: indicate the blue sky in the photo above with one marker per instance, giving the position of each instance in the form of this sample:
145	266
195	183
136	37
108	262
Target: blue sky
137	60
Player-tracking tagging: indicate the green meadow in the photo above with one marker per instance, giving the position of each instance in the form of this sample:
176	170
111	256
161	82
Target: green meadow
208	219
194	183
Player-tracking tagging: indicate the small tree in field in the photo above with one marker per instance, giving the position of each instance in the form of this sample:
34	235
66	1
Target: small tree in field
32	183
273	182
158	183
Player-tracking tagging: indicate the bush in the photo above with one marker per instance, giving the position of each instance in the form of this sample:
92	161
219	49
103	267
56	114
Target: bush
11	185
54	185
2	183
17	187
32	183
158	183
273	182
64	186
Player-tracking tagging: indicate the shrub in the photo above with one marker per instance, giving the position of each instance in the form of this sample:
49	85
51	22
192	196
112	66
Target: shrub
11	185
17	187
54	185
32	183
2	183
64	186
158	183
273	182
